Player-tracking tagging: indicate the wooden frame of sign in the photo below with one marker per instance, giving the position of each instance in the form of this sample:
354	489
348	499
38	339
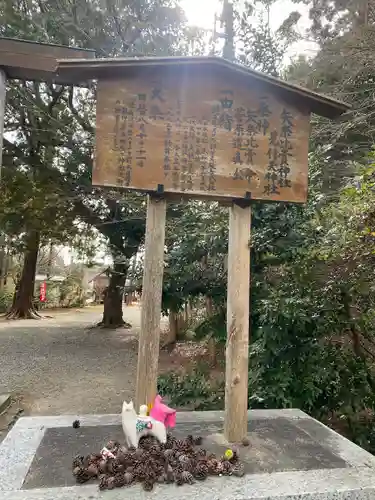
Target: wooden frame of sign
200	128
27	60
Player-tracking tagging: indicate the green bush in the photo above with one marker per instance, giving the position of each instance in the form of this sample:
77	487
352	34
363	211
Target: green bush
215	326
6	298
193	390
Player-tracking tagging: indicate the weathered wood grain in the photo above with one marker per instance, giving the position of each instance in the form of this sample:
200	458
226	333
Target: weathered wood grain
237	346
27	60
226	140
149	336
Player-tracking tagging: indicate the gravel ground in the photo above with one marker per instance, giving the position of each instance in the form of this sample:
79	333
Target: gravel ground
60	366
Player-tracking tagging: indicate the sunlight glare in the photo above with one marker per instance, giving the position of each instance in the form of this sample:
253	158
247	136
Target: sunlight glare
201	12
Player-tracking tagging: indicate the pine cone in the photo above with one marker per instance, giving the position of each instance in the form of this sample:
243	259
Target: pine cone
187	477
122	450
180	445
117	466
238	469
246	441
202	452
185	462
198	441
155	448
235	457
82	475
190	440
119	480
110	483
212	465
201	471
162	478
140	472
146	442
152	471
169	474
138	454
103	482
94	458
125	459
76	471
103	469
168	454
171	440
227	468
128	478
111	466
92	470
155	451
219	469
77	461
178	479
148	485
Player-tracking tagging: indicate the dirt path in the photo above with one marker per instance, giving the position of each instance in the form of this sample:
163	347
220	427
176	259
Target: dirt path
59	366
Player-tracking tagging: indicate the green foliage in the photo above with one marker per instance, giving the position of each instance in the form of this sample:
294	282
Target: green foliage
359	428
5	300
48	148
259	46
195	260
71	292
312	267
193	390
213	326
313	322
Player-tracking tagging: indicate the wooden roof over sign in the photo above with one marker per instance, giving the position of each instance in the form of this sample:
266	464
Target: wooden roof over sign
28	60
78	71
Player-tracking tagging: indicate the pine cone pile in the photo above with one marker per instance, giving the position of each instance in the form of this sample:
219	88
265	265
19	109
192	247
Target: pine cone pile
179	461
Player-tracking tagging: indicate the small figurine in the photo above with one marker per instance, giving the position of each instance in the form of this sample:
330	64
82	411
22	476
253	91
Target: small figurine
143	411
161	412
135	426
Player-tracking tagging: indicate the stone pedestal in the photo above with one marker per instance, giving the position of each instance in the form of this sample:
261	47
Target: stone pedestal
291	457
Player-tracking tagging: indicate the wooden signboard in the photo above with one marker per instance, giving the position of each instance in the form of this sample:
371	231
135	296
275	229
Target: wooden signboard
200	128
200	136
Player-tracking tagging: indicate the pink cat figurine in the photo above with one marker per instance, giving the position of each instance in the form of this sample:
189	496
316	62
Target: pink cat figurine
163	413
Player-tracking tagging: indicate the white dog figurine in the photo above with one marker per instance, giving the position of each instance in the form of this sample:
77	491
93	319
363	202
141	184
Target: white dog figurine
135	426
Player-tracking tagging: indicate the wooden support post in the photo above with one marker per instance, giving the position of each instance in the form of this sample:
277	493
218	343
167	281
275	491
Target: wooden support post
3	255
149	337
237	347
3	83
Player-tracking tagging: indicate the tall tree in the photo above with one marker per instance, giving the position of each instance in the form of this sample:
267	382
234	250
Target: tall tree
62	119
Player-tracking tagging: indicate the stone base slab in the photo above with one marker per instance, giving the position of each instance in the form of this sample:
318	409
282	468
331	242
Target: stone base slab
291	457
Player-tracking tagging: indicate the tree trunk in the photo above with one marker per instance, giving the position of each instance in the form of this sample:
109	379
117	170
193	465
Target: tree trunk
186	314
23	299
212	351
190	309
113	297
172	330
3	260
209	306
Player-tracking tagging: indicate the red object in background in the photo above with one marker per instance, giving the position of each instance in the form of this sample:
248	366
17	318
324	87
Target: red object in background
43	292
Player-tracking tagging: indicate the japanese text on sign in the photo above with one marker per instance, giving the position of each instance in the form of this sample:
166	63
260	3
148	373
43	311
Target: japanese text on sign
218	142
